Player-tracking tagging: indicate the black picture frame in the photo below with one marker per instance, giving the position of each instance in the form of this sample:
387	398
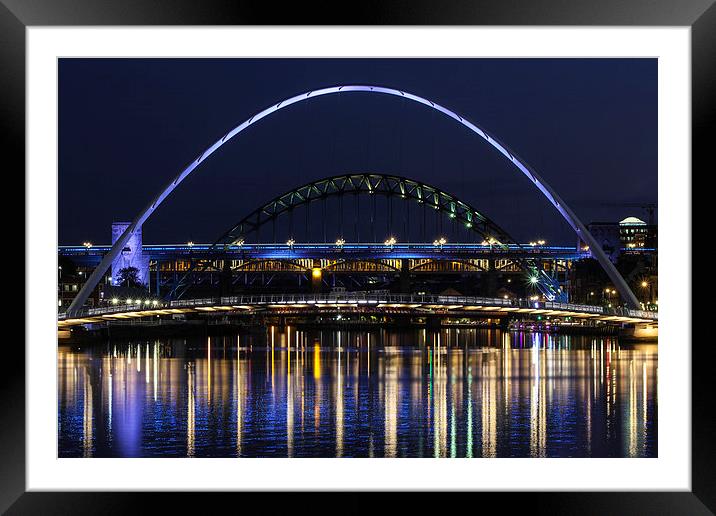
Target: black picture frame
16	15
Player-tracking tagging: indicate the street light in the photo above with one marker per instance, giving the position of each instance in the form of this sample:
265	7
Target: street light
340	242
290	243
88	245
440	242
390	242
190	244
645	285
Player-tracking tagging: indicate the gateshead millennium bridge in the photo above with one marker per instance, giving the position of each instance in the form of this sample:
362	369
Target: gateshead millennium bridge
478	245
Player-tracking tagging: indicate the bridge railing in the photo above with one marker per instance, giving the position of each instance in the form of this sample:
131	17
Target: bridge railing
112	309
574	307
345	298
360	298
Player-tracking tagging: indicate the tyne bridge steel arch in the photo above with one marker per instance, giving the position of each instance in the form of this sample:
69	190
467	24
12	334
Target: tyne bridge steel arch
373	184
387	185
546	190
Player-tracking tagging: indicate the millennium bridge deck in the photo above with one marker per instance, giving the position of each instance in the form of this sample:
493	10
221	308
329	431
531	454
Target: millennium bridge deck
359	302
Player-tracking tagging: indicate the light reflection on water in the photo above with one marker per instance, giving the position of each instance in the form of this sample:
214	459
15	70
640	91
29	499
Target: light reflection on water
291	393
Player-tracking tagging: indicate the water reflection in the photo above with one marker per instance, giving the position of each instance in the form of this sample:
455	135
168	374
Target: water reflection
296	393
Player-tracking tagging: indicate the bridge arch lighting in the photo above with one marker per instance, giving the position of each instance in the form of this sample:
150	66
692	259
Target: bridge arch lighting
546	190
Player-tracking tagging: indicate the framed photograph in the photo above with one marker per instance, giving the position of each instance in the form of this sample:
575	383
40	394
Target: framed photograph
416	250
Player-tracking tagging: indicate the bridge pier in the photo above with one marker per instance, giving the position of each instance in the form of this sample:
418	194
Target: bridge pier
225	283
489	283
405	276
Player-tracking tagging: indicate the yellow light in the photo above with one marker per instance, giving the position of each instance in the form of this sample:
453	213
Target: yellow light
115	301
316	273
644	284
290	242
190	243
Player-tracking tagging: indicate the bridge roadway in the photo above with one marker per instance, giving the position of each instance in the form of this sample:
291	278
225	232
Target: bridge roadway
93	255
359	302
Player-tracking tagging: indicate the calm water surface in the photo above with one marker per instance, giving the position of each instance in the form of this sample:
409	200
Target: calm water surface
453	393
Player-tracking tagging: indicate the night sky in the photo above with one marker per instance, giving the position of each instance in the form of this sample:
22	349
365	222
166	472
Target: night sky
128	126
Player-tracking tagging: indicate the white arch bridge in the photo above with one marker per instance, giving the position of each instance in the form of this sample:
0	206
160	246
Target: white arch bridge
354	302
546	190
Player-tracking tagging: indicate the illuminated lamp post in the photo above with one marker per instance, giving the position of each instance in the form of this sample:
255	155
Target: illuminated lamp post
646	287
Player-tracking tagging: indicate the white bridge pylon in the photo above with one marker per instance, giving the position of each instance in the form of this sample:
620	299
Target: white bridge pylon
571	218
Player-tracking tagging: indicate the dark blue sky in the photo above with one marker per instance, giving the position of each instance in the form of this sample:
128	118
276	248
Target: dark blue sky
128	126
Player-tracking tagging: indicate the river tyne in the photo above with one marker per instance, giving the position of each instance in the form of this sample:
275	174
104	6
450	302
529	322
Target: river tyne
379	393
